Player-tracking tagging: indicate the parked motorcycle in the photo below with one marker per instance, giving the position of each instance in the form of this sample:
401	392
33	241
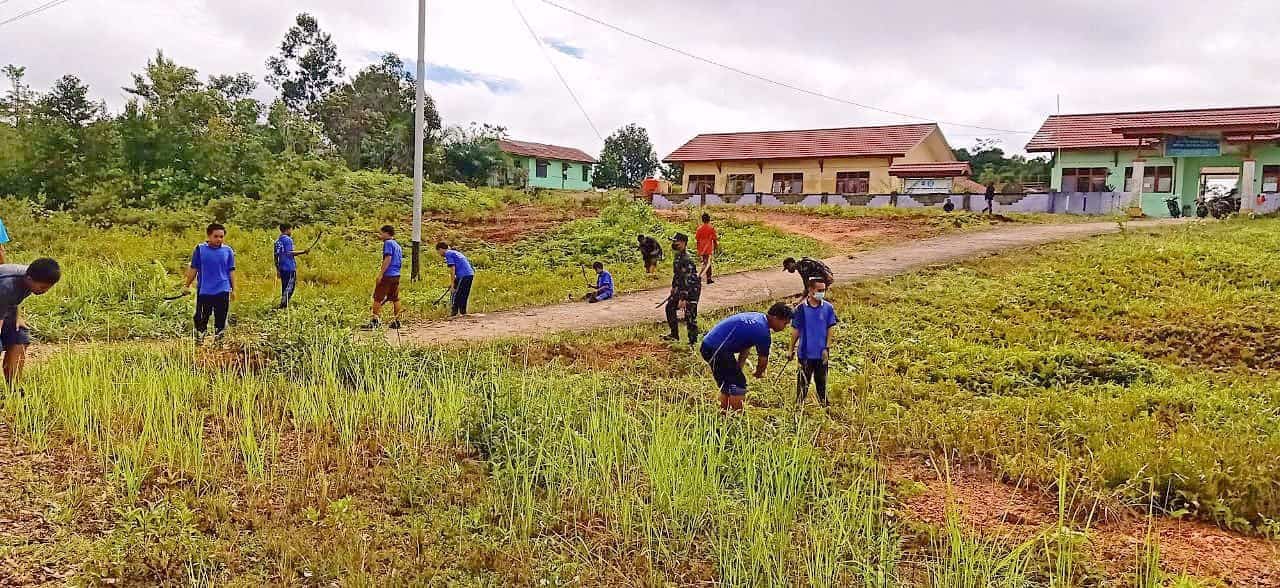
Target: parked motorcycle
1218	205
1175	206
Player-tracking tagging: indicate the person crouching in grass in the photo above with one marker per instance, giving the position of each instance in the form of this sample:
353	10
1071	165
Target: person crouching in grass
461	277
214	263
387	288
725	350
812	324
603	289
17	282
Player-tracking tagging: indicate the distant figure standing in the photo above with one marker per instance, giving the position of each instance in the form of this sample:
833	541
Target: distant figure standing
708	241
387	287
651	252
725	350
286	265
17	282
686	289
990	197
809	270
812	324
4	239
214	263
603	289
462	275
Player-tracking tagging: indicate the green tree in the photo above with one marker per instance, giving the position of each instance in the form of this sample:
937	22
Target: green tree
673	172
628	157
370	119
472	155
989	164
307	68
16	103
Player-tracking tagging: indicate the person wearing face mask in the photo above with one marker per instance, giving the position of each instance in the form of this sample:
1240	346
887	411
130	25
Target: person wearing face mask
812	322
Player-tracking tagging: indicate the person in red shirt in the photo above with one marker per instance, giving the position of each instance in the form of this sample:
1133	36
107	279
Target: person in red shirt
707	242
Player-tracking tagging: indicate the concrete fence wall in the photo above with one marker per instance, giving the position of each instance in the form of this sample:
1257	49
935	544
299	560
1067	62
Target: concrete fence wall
1088	203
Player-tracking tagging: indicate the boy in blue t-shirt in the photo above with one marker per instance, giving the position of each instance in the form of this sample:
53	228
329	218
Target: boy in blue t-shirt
215	264
462	275
813	320
4	239
603	290
387	288
286	265
725	347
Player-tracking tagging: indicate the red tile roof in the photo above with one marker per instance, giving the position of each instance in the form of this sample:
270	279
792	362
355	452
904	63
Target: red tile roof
1108	130
544	151
940	169
886	141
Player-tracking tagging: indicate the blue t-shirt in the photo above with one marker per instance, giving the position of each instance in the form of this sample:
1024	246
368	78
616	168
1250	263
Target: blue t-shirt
4	235
284	254
460	263
740	332
392	249
213	268
813	324
604	286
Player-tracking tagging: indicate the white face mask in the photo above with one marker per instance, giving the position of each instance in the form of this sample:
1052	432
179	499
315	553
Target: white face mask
820	296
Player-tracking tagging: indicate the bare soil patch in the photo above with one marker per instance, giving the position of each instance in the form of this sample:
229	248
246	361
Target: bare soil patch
1222	345
844	233
994	507
517	222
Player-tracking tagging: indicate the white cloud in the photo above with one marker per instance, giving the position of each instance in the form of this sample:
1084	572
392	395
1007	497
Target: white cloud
996	64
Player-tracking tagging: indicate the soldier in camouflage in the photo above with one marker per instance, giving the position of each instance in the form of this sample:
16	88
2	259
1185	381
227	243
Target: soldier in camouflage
686	288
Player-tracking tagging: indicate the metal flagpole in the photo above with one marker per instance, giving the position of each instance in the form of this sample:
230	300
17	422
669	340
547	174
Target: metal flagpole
419	138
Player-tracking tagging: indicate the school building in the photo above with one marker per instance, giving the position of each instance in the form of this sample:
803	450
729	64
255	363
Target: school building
1158	155
539	165
912	158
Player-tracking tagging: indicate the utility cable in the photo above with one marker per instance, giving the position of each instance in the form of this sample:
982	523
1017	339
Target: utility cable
33	11
772	81
563	81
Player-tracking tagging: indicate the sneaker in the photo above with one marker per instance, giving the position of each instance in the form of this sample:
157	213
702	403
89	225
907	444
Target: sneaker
710	281
371	325
671	338
394	325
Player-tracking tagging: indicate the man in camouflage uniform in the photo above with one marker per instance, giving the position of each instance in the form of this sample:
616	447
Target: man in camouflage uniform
686	288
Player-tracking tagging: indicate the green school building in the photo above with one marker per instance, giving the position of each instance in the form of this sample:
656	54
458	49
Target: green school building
1157	155
538	165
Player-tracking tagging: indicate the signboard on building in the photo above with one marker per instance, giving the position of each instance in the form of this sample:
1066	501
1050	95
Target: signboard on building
927	185
1192	147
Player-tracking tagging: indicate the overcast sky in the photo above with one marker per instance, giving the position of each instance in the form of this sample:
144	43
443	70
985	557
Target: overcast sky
990	63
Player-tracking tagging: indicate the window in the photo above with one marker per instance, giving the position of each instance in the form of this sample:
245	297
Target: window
586	172
564	170
853	182
541	168
1271	178
788	183
1155	179
1084	179
741	184
702	184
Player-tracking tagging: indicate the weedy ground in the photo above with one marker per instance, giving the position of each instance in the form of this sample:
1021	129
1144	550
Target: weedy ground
304	456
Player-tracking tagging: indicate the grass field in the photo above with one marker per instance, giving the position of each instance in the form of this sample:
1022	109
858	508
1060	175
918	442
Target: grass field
1125	375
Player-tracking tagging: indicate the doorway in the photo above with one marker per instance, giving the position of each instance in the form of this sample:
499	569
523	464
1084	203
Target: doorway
1217	182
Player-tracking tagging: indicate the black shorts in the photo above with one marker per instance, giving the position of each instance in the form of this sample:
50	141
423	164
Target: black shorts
725	370
11	334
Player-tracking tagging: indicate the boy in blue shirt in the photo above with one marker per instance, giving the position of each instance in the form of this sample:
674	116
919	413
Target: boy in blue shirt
286	265
462	274
725	350
4	239
215	264
813	320
387	288
603	289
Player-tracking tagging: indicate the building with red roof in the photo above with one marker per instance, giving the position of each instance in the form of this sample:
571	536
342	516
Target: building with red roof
1179	155
548	166
851	160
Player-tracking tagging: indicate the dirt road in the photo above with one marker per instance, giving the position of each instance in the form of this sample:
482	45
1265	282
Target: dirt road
748	287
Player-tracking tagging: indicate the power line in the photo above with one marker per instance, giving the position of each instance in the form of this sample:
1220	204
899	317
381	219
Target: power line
33	11
769	80
547	56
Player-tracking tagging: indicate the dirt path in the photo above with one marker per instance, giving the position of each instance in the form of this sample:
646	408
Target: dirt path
748	287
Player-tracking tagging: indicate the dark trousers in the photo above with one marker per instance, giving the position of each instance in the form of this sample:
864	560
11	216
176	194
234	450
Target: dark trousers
815	370
461	294
690	318
288	280
725	370
989	207
216	305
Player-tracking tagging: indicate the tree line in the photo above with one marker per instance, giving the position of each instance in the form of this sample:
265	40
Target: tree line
184	141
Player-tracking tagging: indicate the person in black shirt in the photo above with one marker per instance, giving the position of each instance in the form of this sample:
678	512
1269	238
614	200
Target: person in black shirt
809	270
686	289
651	251
990	196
